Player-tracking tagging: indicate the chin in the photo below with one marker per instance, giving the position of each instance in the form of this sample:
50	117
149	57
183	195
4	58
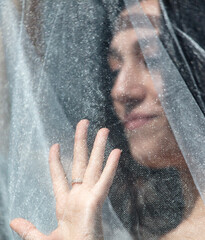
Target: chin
152	162
148	158
156	152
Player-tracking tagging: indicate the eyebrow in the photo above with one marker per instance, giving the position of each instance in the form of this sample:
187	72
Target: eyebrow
124	23
152	18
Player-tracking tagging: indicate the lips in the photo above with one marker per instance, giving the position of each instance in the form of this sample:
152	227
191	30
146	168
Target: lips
137	120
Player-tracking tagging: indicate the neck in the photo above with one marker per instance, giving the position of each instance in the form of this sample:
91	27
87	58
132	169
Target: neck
193	223
190	191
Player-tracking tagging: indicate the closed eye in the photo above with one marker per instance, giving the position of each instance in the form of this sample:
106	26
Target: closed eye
114	74
115	66
152	62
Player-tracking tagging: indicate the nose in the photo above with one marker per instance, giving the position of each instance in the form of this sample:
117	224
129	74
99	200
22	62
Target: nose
130	86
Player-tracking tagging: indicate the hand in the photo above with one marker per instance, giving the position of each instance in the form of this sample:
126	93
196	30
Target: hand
78	210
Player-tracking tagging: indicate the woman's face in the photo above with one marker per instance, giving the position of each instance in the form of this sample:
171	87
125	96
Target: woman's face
136	101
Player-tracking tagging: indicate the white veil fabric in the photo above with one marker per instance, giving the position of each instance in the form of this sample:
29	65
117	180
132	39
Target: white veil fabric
37	121
54	71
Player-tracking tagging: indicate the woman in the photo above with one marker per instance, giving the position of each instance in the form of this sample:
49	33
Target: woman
148	132
150	139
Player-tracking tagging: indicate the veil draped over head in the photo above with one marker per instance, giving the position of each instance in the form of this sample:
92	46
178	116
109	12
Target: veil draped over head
136	67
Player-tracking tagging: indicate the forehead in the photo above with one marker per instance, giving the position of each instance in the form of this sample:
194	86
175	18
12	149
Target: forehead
125	35
150	8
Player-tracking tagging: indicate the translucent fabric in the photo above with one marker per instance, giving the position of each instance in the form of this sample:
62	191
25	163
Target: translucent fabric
135	67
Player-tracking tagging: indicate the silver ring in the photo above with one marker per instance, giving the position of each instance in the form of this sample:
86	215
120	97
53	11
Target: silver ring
77	181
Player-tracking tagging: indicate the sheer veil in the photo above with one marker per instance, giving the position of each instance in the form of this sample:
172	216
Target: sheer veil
54	71
175	101
4	131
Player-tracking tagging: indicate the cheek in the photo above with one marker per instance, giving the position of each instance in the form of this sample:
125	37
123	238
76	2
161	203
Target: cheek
157	83
119	109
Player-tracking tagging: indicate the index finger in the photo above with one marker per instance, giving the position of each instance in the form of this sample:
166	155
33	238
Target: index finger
80	155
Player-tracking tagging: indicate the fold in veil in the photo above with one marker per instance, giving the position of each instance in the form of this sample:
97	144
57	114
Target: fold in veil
64	77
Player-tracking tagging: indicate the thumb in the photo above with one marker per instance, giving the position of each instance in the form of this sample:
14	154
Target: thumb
26	230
